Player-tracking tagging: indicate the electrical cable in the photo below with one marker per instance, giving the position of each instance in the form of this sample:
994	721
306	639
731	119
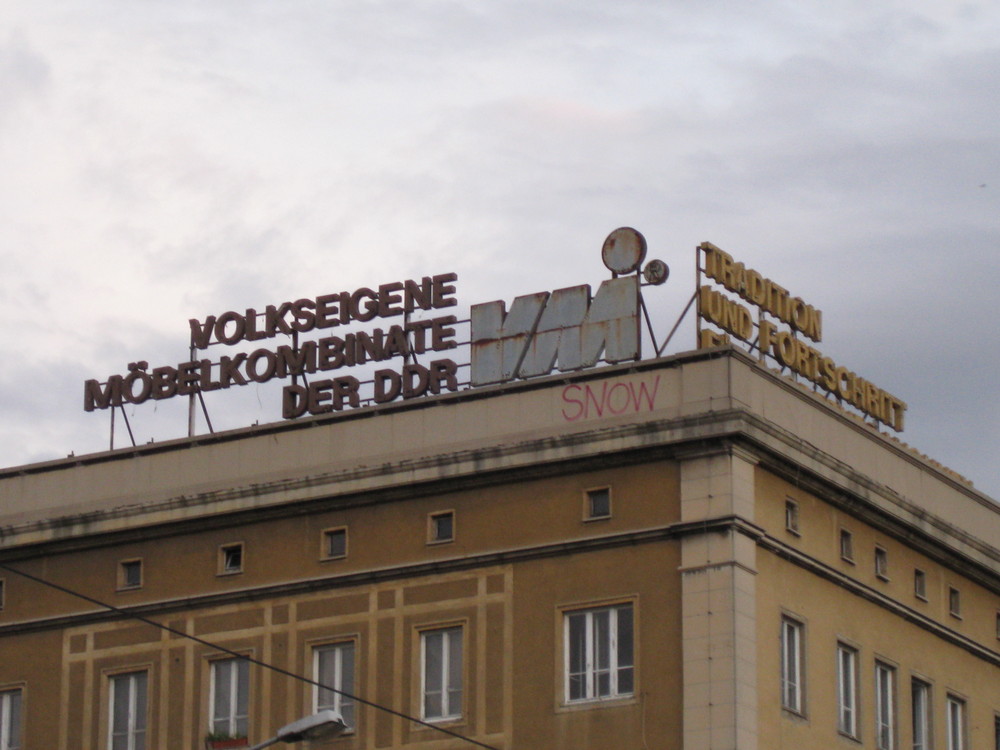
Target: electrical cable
250	659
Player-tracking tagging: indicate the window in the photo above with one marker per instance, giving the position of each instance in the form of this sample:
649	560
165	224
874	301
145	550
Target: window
846	545
231	558
920	584
130	574
230	697
128	711
920	692
885	709
956	723
333	666
998	626
335	543
954	602
882	563
598	503
441	672
2	592
847	690
599	646
791	665
996	732
441	527
792	516
10	720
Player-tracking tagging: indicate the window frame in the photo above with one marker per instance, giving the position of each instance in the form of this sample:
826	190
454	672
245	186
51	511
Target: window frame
345	679
225	550
846	543
588	503
847	690
792	516
123	569
621	677
433	536
955	707
134	711
920	584
921	726
881	563
326	535
239	677
11	731
955	602
447	673
791	642
885	706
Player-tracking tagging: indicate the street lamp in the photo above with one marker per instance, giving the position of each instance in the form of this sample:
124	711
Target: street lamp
322	725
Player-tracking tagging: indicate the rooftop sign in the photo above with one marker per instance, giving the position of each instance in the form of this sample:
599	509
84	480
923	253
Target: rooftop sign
567	329
781	343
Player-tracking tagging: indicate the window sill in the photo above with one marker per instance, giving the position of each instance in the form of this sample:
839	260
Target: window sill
585	704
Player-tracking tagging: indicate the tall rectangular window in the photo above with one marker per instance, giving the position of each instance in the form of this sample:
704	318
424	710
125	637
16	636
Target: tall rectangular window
792	516
882	563
920	584
599	646
230	697
847	690
846	545
128	712
441	671
10	720
954	602
956	723
333	666
921	701
791	665
885	709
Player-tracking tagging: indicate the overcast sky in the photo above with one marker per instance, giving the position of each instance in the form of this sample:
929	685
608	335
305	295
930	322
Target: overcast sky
167	160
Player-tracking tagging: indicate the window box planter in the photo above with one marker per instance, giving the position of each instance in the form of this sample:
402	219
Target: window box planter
223	743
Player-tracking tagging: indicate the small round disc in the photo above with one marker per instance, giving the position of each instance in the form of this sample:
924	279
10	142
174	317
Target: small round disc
624	250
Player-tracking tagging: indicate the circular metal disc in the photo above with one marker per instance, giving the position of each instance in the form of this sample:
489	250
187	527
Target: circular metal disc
655	272
624	250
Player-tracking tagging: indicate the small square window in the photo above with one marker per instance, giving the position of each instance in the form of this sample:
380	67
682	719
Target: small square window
130	574
231	559
954	602
920	584
598	503
882	563
846	545
792	516
2	592
998	625
335	543
441	527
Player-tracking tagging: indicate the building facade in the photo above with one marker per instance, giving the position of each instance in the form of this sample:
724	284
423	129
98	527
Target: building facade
689	552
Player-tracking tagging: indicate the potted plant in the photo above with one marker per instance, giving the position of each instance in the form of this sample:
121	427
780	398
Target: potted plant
223	740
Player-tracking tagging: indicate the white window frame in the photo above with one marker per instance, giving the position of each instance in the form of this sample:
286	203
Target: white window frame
847	690
11	719
956	723
134	733
885	706
920	704
446	683
340	660
607	663
230	720
791	665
